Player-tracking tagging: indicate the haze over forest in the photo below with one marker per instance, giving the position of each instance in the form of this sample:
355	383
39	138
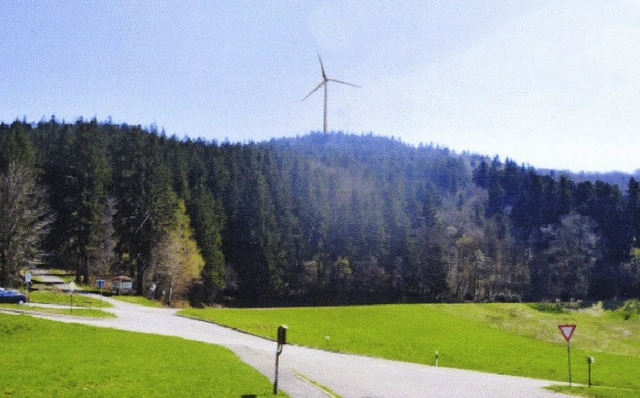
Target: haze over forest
319	218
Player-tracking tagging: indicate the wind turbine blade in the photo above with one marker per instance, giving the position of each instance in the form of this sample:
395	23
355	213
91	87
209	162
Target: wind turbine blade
314	90
324	75
341	82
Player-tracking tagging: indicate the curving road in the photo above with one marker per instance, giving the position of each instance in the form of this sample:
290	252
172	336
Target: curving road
346	375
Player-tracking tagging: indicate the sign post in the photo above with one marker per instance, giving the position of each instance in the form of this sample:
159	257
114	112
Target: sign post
282	340
100	283
567	333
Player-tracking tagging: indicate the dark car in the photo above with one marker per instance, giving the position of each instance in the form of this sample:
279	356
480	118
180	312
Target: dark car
11	296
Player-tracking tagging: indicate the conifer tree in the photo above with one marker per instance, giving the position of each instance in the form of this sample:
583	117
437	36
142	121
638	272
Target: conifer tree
208	222
146	200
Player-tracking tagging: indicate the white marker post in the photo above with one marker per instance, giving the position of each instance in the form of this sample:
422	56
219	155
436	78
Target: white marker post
72	288
590	360
27	281
567	332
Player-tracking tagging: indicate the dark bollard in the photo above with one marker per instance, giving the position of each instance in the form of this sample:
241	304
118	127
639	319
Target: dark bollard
282	340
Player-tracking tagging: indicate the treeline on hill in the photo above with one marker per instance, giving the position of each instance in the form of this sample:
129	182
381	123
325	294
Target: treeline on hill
318	219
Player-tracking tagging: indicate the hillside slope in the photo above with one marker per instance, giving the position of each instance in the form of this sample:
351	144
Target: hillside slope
321	218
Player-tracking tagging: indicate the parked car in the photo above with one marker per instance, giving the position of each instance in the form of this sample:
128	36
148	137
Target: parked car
11	296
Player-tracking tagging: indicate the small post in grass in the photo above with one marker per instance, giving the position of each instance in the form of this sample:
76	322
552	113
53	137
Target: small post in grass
282	340
436	359
567	333
590	360
72	288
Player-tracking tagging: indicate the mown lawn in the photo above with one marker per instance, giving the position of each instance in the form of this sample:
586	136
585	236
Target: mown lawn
82	305
43	358
54	297
76	311
498	338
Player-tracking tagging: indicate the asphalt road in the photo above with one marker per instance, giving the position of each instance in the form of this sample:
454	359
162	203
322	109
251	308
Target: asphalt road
346	375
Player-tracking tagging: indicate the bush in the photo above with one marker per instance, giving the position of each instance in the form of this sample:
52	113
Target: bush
545	306
630	308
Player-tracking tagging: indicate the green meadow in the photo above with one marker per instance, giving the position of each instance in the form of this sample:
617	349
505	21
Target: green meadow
76	311
514	339
83	305
54	297
43	358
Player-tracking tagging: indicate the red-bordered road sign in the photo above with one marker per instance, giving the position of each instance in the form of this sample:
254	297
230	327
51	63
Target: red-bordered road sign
567	331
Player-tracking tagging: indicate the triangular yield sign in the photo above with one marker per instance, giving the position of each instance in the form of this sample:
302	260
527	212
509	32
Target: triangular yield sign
567	331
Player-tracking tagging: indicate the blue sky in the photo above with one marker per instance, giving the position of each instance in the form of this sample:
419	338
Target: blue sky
548	83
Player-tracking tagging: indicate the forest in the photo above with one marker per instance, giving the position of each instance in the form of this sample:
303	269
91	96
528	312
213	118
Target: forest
318	219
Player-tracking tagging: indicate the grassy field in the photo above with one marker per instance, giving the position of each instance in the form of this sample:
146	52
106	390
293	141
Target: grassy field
511	339
85	312
54	297
82	305
52	359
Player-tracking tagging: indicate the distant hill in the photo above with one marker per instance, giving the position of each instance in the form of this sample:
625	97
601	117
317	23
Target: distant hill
614	177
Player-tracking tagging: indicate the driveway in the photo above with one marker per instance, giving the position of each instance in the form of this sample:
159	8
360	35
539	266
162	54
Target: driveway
346	375
45	277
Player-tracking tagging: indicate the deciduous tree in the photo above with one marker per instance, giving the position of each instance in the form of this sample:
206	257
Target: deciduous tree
24	222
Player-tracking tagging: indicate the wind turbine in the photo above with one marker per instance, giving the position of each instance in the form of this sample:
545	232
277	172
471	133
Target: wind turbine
325	82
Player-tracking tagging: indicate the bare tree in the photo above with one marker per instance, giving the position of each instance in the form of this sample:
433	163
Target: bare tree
164	272
25	220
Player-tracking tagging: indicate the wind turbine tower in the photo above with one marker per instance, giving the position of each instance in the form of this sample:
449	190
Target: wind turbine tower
324	83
